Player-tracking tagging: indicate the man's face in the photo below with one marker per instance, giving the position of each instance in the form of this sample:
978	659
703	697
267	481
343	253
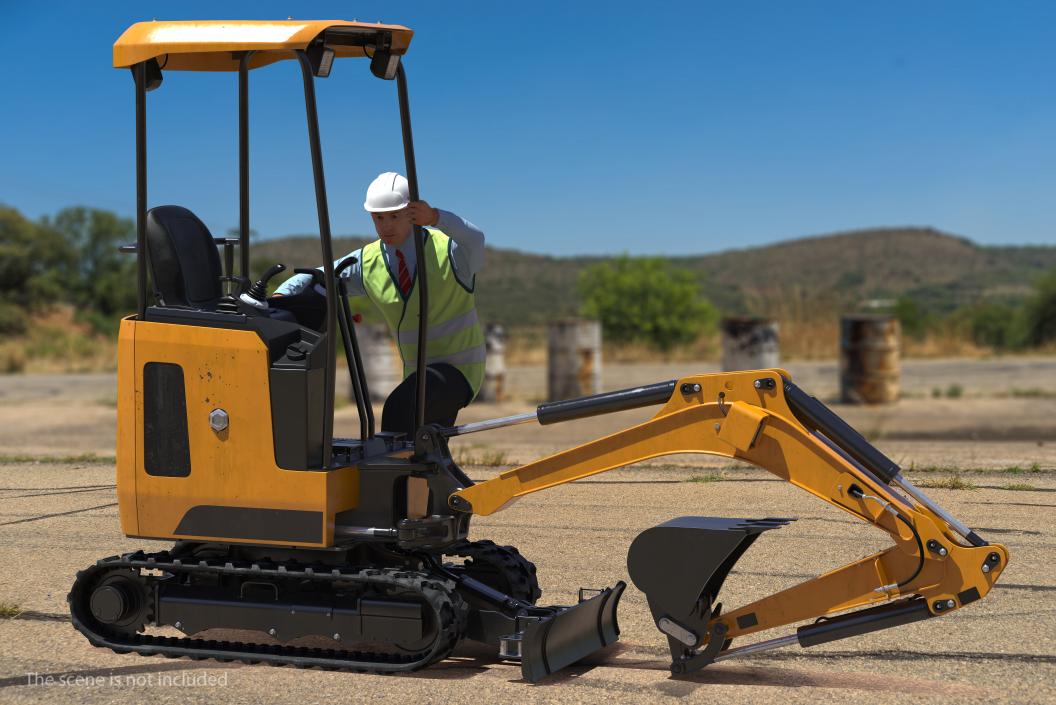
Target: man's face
393	227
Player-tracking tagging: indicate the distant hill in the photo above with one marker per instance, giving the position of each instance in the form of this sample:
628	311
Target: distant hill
939	270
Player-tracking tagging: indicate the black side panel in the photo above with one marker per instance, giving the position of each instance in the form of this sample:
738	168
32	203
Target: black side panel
252	523
166	450
297	417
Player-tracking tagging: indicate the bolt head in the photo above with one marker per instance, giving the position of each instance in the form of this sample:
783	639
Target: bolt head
986	567
337	636
178	625
218	420
951	604
272	631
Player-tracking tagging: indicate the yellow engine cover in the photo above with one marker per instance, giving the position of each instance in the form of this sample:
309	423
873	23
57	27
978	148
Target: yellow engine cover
197	482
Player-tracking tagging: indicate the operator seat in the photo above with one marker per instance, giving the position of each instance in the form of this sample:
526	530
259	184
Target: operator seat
184	261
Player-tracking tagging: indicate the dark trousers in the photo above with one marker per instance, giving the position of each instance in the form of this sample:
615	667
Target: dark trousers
446	391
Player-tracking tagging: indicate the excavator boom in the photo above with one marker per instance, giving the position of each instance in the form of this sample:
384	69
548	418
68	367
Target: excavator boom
935	565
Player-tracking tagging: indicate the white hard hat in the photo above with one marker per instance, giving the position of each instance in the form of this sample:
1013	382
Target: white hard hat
388	192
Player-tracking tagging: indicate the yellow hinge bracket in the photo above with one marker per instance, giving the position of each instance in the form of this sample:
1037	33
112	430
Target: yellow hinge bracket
742	425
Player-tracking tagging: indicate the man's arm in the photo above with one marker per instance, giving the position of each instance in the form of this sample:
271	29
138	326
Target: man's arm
468	252
353	277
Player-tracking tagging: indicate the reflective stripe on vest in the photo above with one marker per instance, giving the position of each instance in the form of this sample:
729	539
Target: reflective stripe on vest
455	335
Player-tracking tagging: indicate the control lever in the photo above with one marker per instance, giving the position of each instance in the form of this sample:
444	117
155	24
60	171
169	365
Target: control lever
258	293
318	278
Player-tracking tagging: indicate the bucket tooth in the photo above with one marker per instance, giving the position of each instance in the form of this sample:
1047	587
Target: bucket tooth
681	565
554	642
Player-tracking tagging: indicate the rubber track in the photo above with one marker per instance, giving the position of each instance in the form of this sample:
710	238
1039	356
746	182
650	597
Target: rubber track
518	570
449	612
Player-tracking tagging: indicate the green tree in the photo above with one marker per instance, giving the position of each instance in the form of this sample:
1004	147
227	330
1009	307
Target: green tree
992	324
34	264
1039	315
645	299
102	281
915	321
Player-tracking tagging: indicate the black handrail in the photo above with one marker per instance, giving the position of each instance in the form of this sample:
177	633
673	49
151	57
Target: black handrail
140	73
243	166
351	345
328	252
419	247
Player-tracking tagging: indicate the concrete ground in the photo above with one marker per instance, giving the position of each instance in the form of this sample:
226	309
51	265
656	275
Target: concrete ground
58	514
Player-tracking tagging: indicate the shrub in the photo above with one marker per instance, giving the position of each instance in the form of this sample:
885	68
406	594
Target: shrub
645	299
1039	315
915	321
994	325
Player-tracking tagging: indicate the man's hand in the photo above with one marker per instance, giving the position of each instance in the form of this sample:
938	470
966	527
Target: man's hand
423	214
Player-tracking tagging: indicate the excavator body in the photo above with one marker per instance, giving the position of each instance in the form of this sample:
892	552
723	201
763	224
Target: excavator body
293	546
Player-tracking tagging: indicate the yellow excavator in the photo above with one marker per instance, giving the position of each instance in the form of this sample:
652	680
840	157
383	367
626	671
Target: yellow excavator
293	546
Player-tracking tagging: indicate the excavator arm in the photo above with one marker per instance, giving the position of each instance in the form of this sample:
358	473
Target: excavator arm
935	565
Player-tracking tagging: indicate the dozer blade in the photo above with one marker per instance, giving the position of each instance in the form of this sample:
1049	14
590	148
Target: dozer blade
680	565
550	644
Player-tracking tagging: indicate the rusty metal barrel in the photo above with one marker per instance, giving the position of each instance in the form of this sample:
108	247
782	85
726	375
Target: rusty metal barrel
750	344
381	360
870	366
573	359
494	387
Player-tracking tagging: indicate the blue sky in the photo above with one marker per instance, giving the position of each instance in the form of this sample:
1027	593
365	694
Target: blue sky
566	128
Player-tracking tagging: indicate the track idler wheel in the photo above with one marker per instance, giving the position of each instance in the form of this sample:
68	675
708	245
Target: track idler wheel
119	601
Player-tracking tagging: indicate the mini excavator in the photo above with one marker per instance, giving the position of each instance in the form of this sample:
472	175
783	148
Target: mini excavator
295	547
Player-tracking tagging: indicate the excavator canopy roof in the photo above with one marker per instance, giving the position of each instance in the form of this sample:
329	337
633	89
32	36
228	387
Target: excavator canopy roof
214	45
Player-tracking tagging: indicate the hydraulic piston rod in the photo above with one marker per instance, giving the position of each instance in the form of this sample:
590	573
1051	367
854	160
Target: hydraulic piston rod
578	408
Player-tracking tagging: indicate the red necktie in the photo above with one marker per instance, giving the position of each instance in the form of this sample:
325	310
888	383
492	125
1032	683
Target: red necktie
404	275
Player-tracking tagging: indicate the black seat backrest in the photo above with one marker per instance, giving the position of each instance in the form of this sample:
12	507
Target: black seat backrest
183	258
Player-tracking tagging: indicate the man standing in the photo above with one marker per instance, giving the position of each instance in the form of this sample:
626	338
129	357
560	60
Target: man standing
386	272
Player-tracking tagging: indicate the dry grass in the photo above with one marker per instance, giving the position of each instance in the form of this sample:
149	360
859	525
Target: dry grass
1019	487
481	456
709	477
1033	468
809	338
953	482
943	344
9	610
57	342
81	459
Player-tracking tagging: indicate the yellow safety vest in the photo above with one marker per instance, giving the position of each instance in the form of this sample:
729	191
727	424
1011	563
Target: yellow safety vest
455	335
